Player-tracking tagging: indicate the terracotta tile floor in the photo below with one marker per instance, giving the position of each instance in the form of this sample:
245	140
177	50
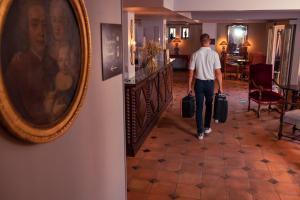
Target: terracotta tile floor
240	160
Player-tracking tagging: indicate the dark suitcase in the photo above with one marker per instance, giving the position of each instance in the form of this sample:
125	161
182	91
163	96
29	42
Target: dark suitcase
188	106
220	108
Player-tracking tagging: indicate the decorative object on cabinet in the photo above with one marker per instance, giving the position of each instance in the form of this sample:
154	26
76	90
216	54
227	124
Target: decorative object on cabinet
150	52
112	58
42	89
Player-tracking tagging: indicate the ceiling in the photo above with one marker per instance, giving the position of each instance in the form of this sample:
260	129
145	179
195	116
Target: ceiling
158	8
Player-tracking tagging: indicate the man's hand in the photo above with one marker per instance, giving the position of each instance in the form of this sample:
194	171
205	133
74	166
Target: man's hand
218	74
189	91
191	76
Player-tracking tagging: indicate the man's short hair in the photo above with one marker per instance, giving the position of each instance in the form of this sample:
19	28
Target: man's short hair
204	38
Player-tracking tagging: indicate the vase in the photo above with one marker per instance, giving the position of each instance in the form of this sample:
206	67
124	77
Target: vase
152	64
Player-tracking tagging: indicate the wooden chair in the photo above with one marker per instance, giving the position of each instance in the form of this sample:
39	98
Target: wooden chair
260	87
291	117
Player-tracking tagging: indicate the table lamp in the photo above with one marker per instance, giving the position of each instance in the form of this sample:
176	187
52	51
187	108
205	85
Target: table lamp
246	44
176	48
223	44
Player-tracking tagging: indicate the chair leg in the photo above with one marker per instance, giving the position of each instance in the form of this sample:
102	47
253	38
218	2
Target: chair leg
248	104
280	126
280	131
294	129
258	111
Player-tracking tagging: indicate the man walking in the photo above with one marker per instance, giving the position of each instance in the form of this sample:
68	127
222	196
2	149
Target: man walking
205	66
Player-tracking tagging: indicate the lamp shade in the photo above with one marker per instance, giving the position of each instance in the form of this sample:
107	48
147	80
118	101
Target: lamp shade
177	40
223	43
246	44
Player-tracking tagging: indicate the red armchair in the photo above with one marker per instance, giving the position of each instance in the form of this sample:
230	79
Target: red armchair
254	58
260	87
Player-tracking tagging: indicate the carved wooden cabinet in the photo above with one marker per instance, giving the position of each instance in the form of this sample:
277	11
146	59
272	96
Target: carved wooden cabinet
146	97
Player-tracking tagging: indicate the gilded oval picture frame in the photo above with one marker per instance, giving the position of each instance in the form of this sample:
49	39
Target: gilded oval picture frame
45	58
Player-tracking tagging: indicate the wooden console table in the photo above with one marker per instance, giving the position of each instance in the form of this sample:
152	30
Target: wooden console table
146	97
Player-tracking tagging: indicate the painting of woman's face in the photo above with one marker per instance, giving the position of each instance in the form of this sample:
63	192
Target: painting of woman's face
40	59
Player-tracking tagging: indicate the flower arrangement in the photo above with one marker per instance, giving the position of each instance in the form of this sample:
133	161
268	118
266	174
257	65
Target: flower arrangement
150	51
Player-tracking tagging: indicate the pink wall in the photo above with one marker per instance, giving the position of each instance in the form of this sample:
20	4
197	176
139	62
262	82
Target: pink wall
88	163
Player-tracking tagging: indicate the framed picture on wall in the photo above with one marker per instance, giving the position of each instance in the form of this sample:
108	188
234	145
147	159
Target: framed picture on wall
111	48
45	48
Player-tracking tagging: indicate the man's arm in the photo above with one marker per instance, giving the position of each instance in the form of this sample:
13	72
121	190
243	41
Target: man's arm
218	74
191	76
192	67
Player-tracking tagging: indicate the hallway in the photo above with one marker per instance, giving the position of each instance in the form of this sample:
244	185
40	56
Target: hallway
240	160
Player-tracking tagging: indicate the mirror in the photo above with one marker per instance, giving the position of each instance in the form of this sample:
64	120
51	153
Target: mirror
237	35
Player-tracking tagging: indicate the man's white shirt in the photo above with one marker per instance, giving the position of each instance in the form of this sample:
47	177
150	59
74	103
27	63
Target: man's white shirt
205	61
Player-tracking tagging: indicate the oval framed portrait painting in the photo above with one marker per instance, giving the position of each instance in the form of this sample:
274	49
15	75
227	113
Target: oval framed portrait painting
45	49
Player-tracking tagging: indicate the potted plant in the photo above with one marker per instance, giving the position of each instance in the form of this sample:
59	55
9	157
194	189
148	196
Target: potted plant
150	51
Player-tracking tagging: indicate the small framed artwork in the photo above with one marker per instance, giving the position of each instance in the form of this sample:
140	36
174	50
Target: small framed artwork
213	41
172	33
44	65
185	33
112	55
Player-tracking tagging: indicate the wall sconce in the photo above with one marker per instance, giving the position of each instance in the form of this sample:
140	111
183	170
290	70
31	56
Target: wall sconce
223	44
132	44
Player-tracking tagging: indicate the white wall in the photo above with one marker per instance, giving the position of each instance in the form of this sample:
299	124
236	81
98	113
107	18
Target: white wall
169	4
231	5
211	30
88	163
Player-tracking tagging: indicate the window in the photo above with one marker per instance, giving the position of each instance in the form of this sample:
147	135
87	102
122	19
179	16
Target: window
185	33
172	33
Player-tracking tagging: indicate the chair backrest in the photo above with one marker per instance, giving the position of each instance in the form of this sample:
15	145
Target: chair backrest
261	74
256	58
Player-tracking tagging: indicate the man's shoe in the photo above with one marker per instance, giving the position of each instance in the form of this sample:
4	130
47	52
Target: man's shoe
207	131
201	136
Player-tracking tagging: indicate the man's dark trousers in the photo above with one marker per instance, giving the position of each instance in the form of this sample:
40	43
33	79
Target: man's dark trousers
204	88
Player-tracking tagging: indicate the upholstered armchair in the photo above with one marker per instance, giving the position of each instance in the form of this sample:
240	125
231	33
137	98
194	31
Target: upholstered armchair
254	58
260	87
291	117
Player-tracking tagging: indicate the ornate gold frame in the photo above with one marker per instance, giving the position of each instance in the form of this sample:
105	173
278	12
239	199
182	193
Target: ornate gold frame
10	118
